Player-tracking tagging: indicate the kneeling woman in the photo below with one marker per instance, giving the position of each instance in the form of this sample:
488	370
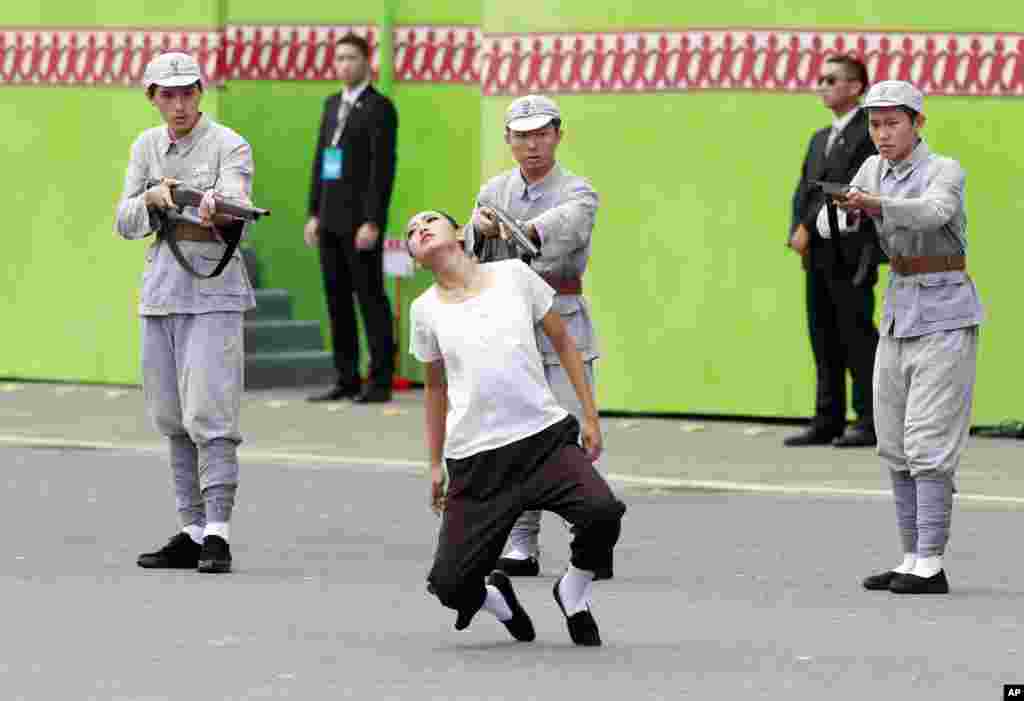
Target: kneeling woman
507	444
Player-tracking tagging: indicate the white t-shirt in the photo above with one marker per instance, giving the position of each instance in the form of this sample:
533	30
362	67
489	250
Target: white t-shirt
497	392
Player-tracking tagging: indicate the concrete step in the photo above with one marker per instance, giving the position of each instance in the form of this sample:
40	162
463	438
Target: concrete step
276	335
288	369
271	304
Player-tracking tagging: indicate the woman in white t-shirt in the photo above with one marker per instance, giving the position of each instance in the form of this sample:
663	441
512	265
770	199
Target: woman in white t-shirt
493	422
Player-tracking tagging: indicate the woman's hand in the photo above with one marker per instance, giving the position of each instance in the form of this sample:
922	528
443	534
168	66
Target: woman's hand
592	442
438	499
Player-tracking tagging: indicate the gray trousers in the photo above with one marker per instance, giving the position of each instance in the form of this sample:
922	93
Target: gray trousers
924	389
526	531
192	379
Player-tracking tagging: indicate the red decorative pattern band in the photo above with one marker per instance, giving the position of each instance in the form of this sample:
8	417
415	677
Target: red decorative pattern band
747	59
787	60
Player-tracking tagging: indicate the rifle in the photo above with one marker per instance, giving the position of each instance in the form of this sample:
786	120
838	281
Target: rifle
185	196
515	229
866	252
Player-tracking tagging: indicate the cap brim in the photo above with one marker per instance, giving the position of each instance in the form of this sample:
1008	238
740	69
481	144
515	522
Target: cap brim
176	81
529	123
885	103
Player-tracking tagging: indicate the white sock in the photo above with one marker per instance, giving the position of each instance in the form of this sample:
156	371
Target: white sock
907	566
575	589
194	532
928	566
220	529
517	554
496	604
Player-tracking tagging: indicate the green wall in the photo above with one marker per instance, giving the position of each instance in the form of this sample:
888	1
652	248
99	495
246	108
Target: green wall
699	306
69	291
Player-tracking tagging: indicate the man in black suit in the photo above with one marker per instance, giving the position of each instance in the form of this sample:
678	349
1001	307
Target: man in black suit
841	274
353	175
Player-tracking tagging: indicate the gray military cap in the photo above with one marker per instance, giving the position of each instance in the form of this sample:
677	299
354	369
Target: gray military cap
531	112
894	93
170	70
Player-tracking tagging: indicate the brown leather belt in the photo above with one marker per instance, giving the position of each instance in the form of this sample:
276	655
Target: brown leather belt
565	285
919	265
185	231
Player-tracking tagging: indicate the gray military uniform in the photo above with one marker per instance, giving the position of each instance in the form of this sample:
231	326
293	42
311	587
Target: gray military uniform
563	208
192	335
927	354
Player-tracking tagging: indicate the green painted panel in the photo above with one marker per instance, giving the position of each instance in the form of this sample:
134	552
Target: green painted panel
113	13
438	166
699	306
302	12
455	12
572	15
69	286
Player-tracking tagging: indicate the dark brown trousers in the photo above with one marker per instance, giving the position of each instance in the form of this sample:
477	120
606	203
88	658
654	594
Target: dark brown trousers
487	493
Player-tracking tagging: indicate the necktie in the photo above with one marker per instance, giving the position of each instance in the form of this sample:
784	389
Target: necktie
832	136
343	111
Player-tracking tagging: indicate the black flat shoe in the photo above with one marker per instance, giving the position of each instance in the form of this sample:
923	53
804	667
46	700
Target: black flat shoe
373	395
216	555
180	553
530	567
815	435
880	582
582	626
520	625
336	394
856	437
912	584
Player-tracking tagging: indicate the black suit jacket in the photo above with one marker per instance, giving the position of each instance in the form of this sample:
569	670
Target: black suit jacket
363	191
851	149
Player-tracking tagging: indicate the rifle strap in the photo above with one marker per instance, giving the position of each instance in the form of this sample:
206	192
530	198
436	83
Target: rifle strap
231	236
833	225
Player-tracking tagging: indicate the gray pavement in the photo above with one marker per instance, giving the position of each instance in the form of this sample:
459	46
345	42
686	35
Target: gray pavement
670	453
718	594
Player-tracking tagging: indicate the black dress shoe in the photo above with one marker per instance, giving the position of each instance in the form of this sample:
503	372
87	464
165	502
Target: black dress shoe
529	567
880	582
582	626
216	555
373	395
181	552
912	584
520	625
335	393
856	436
815	435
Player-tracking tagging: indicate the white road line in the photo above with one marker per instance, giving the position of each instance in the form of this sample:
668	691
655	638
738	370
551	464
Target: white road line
418	466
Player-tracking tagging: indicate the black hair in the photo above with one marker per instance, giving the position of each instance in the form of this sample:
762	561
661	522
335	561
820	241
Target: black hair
912	113
450	218
151	90
361	44
909	111
855	69
556	122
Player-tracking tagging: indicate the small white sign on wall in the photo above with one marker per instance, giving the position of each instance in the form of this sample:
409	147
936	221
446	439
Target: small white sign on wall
397	261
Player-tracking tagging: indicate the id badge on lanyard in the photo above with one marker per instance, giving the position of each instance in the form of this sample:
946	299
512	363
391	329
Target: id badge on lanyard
332	162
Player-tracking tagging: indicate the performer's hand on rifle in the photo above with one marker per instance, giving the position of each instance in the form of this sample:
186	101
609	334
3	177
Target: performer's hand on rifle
860	201
590	432
159	196
438	498
485	221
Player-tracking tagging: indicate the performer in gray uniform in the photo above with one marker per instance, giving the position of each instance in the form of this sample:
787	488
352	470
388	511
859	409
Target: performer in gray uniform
192	355
558	210
927	356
